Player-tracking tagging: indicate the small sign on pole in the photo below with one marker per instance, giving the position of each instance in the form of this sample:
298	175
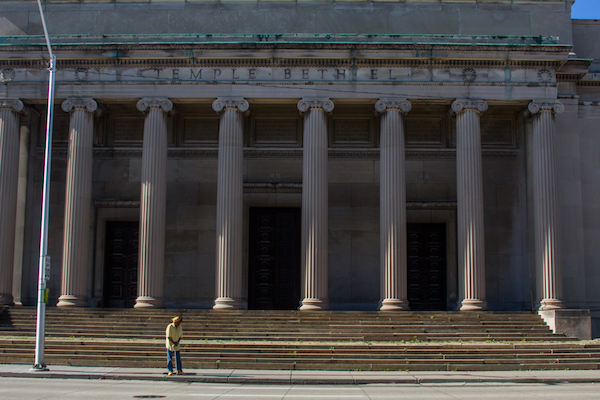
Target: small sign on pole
47	268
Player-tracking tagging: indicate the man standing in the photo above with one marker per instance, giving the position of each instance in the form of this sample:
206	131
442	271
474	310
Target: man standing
174	334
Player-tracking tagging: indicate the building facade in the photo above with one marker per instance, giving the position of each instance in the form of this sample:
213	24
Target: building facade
412	154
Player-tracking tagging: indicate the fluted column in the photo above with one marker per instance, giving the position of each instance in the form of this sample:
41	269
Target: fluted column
471	251
77	202
392	212
545	203
9	171
229	203
315	196
153	203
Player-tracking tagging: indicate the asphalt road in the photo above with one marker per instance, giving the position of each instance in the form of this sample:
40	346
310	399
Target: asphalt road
85	389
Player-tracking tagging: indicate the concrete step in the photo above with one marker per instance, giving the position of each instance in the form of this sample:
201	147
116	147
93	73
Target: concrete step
296	340
243	325
311	361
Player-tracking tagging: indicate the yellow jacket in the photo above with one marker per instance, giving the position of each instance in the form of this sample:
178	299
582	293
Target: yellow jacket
174	333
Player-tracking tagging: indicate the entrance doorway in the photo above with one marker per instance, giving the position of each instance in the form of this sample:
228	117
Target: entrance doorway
121	264
427	267
274	259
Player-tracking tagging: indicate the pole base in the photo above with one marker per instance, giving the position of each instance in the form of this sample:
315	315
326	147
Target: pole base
39	368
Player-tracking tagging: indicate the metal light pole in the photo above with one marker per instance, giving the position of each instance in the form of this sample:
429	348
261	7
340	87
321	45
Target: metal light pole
44	260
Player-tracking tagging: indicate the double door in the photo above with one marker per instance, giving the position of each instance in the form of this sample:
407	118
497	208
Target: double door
426	267
274	259
121	264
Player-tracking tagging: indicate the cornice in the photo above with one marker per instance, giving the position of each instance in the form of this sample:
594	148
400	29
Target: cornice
308	61
569	77
466	47
431	48
589	83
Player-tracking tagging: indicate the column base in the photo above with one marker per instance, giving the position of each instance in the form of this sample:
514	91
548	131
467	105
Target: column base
72	301
313	305
473	305
394	305
148	302
6	300
227	303
551	304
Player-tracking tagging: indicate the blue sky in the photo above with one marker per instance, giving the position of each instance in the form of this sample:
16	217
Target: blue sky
586	9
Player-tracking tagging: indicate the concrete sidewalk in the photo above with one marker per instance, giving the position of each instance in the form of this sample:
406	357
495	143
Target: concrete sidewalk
302	377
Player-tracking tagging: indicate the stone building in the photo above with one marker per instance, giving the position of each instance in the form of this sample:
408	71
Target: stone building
363	155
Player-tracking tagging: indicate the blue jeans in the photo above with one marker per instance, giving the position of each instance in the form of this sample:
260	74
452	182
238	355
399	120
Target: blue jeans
170	360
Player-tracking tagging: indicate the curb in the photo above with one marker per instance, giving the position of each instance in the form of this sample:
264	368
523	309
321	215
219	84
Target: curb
295	381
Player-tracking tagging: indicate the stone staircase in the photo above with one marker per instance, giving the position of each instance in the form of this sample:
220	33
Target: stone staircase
331	340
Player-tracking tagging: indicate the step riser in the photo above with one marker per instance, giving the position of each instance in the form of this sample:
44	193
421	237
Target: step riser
296	340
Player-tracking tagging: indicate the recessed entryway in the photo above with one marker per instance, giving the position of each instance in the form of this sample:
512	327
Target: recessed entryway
274	259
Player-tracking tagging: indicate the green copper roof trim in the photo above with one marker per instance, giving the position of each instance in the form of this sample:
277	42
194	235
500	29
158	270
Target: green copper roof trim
123	39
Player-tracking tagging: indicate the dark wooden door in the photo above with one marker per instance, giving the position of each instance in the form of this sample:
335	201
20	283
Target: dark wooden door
427	266
121	264
274	259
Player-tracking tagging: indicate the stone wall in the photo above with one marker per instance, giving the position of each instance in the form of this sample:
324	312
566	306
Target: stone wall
439	17
583	30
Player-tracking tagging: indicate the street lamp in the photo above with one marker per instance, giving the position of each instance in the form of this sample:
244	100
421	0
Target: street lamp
44	265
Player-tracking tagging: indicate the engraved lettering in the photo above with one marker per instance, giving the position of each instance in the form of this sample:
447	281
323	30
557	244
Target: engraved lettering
252	73
233	74
373	74
197	75
216	72
341	74
288	73
322	72
392	77
304	74
176	74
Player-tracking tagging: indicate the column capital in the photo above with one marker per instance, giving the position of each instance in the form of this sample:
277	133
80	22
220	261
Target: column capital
325	104
155	102
79	103
15	104
384	105
233	102
537	106
460	105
